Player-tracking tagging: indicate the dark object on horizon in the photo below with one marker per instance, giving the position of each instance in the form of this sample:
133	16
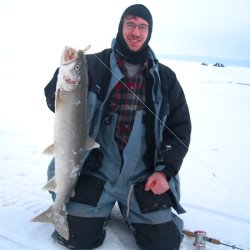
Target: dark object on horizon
204	64
218	65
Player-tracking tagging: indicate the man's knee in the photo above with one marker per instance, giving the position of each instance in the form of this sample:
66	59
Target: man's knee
165	236
84	233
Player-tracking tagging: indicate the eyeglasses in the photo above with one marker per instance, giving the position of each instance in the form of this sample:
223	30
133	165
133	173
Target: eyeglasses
131	26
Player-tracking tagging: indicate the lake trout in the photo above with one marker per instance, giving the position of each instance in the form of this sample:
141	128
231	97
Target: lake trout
71	137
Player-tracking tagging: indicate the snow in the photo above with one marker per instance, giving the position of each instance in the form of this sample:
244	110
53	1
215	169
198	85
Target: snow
214	177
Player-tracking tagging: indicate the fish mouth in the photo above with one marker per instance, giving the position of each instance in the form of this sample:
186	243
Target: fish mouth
69	55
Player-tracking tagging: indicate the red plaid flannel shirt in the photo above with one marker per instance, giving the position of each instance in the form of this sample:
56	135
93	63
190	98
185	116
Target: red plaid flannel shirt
127	97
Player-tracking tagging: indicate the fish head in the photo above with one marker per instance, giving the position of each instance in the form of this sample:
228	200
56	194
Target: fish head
69	72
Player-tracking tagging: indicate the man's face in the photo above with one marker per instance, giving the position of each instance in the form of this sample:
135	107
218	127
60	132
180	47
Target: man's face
135	32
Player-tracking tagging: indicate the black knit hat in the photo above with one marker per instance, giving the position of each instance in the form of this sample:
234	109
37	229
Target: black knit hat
121	46
140	11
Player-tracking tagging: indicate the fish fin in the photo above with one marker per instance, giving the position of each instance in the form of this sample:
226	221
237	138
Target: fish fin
50	185
87	48
91	143
58	104
59	220
50	150
45	216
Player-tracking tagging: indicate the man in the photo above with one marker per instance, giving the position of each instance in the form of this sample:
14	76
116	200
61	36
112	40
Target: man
139	116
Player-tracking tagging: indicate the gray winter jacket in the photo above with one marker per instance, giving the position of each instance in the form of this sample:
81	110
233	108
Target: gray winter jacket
167	119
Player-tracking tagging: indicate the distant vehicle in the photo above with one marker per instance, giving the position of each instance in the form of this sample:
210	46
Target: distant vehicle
218	65
204	64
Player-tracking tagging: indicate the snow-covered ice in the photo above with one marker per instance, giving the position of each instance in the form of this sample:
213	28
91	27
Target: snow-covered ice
214	177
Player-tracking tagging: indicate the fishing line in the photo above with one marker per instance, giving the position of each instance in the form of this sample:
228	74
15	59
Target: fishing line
144	104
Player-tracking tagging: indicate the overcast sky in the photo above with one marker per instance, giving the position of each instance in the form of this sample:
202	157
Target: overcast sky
218	28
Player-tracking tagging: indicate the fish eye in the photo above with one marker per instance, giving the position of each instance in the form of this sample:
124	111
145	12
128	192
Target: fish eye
77	67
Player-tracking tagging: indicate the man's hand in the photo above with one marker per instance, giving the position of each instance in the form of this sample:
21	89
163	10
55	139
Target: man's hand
157	183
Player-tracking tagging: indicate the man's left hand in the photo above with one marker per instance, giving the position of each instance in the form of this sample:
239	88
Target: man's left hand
157	183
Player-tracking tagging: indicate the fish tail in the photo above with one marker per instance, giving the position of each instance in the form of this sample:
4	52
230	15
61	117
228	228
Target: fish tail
59	220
